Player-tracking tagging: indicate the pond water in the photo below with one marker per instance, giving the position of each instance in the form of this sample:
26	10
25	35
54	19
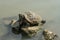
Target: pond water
47	9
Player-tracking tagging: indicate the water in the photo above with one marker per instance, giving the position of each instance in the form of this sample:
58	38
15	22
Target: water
47	9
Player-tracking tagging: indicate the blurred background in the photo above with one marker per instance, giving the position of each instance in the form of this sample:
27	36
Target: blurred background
49	10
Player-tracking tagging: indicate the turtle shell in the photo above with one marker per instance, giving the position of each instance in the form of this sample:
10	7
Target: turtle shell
32	17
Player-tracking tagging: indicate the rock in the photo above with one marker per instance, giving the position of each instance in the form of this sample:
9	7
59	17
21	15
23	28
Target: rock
31	31
48	35
27	24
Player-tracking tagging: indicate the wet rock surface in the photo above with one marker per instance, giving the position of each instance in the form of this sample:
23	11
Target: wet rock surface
48	35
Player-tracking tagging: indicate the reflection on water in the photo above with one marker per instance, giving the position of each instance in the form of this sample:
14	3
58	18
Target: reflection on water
6	33
48	9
